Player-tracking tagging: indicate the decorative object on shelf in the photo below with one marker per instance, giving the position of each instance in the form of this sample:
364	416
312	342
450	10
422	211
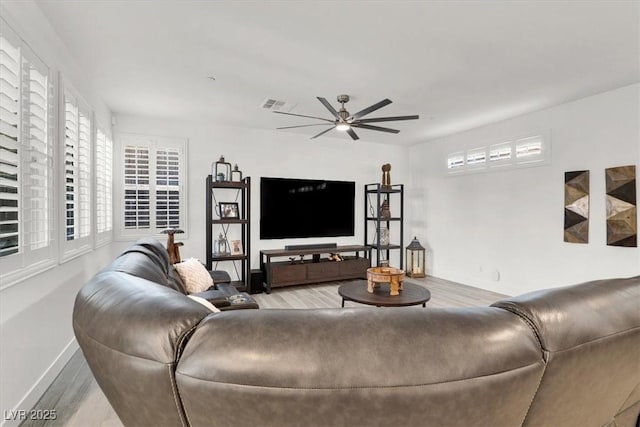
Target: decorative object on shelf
386	175
173	248
576	207
228	210
221	245
385	212
292	260
415	259
236	174
301	259
236	247
384	236
221	170
335	257
622	207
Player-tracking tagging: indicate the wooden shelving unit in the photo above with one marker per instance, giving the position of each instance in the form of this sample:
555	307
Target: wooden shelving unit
236	192
374	196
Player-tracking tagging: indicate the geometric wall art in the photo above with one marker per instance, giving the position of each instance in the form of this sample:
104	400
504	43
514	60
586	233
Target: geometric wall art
622	216
576	207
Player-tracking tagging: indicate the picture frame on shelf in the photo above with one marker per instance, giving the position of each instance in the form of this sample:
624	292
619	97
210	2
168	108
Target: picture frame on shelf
236	247
228	210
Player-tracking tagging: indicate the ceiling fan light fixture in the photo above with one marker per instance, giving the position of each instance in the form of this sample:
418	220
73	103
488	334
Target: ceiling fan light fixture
343	127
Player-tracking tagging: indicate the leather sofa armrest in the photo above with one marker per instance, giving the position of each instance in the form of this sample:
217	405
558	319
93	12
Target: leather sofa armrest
220	276
215	297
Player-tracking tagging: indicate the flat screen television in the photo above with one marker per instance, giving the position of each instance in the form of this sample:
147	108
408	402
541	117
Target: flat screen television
292	208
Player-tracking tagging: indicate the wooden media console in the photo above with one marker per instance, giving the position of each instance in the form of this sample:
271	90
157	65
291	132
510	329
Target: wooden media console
314	269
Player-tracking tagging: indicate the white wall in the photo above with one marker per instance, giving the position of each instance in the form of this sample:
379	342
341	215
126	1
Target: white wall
511	222
271	154
35	314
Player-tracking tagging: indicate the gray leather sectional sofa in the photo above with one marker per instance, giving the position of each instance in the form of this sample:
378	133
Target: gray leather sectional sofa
560	357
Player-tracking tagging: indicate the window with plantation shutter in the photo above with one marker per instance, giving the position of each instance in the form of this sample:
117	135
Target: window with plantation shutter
77	176
71	168
518	153
26	160
104	186
153	185
167	188
84	174
136	184
10	149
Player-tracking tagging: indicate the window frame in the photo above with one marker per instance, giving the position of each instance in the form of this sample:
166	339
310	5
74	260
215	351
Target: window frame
154	143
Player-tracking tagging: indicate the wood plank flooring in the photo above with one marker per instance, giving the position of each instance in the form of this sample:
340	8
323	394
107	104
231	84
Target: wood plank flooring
79	402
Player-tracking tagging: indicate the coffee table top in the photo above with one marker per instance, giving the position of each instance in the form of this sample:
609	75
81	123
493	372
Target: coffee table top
410	295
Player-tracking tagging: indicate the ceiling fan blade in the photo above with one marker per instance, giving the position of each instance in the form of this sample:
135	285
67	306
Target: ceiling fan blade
352	134
388	119
302	126
328	107
370	109
381	129
300	115
323	132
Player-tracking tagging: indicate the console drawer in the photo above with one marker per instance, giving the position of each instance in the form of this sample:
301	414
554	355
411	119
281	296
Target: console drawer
322	270
288	274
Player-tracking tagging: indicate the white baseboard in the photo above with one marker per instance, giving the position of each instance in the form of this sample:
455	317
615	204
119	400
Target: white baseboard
37	390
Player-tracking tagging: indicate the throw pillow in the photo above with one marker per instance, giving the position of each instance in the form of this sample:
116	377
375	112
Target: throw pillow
195	277
206	303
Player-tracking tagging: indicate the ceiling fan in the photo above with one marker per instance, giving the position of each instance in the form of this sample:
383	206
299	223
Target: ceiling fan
345	122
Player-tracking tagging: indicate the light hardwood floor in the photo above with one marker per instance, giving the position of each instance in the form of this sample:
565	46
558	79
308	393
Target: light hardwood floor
79	402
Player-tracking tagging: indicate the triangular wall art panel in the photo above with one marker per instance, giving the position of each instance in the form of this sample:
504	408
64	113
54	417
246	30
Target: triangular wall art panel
622	207
576	207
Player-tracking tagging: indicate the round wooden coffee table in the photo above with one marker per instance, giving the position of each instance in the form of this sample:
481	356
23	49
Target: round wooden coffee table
410	294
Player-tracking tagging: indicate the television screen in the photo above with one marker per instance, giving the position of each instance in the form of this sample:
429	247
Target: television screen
292	208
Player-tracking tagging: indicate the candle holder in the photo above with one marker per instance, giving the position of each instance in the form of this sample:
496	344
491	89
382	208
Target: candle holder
415	259
221	170
236	174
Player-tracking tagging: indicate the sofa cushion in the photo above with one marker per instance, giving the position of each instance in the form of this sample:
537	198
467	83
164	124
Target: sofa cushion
131	331
195	277
360	366
590	334
175	281
139	262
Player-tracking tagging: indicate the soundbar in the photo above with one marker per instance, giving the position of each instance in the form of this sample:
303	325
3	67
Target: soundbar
314	246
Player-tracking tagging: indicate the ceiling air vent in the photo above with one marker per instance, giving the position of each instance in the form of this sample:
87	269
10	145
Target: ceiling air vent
276	105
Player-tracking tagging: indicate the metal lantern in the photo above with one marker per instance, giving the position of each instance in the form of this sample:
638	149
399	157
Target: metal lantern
415	259
221	170
222	245
236	174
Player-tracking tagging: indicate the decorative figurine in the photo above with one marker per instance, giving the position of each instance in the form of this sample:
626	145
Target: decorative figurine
385	212
386	175
173	248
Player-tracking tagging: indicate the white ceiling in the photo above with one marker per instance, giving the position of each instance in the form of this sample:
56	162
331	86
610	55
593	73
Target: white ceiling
458	65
